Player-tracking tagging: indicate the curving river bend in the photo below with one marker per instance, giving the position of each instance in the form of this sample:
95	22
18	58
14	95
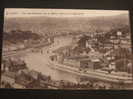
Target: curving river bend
39	61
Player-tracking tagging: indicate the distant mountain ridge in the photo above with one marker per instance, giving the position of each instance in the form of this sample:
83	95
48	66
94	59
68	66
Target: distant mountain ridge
47	24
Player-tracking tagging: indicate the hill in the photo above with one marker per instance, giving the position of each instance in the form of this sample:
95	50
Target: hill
18	36
51	24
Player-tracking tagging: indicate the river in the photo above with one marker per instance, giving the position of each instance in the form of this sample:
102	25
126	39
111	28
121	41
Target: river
39	61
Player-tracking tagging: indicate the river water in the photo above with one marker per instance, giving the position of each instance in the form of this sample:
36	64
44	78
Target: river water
38	61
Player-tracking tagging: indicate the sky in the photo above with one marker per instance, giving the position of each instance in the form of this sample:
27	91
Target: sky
24	12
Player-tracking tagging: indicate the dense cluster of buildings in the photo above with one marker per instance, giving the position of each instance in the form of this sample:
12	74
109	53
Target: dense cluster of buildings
110	53
86	52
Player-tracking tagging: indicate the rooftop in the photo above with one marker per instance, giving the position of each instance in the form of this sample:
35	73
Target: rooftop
9	74
83	58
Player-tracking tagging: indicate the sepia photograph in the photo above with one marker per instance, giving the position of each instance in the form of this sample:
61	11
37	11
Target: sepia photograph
70	49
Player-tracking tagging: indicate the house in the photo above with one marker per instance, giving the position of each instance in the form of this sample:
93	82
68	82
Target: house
8	77
95	55
115	41
126	43
82	62
71	62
